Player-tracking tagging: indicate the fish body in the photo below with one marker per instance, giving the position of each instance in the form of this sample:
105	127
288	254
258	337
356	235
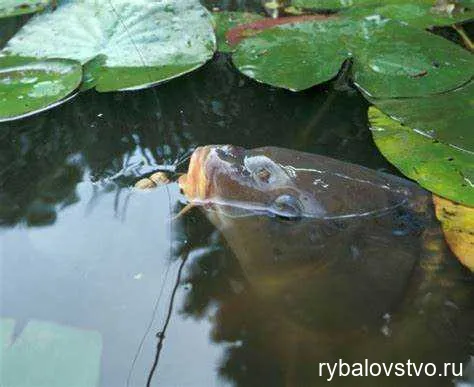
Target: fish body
331	243
344	261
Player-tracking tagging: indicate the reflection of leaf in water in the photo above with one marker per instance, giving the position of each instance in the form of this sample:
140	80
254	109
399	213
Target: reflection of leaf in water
458	227
54	355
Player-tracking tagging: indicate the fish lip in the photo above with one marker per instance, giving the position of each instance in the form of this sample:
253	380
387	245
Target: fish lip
194	183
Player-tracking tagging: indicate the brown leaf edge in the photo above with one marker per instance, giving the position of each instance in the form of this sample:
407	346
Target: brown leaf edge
235	35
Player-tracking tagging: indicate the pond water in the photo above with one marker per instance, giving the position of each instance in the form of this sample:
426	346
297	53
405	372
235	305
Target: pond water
89	266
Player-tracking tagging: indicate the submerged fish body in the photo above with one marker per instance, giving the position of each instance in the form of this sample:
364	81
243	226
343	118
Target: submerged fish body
330	243
344	262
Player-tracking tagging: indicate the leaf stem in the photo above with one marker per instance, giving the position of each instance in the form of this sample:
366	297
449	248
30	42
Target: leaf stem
467	41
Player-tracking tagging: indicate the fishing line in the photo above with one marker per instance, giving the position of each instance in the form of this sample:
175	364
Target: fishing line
161	334
156	304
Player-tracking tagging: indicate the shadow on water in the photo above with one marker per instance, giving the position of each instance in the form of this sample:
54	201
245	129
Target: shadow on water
101	260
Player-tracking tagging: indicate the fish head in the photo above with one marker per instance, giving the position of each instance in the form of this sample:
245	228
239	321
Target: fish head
238	181
288	184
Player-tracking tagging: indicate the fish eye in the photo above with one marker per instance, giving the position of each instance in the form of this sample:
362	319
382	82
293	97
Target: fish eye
264	171
263	174
287	207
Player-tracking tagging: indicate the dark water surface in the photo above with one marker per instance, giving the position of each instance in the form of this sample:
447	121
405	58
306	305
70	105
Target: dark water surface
88	264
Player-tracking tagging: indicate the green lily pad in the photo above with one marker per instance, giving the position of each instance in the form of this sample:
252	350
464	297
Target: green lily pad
393	60
390	58
333	4
144	42
224	21
420	14
9	8
441	168
49	355
294	56
28	86
447	117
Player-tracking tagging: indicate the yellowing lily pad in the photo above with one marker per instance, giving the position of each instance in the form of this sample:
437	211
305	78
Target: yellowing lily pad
458	227
439	167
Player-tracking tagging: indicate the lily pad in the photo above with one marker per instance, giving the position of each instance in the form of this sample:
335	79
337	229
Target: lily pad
144	42
390	58
47	354
294	56
447	117
10	8
418	13
224	21
28	86
441	168
332	4
422	14
458	227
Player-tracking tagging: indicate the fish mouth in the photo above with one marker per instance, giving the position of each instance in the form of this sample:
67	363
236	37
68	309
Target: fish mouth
194	184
